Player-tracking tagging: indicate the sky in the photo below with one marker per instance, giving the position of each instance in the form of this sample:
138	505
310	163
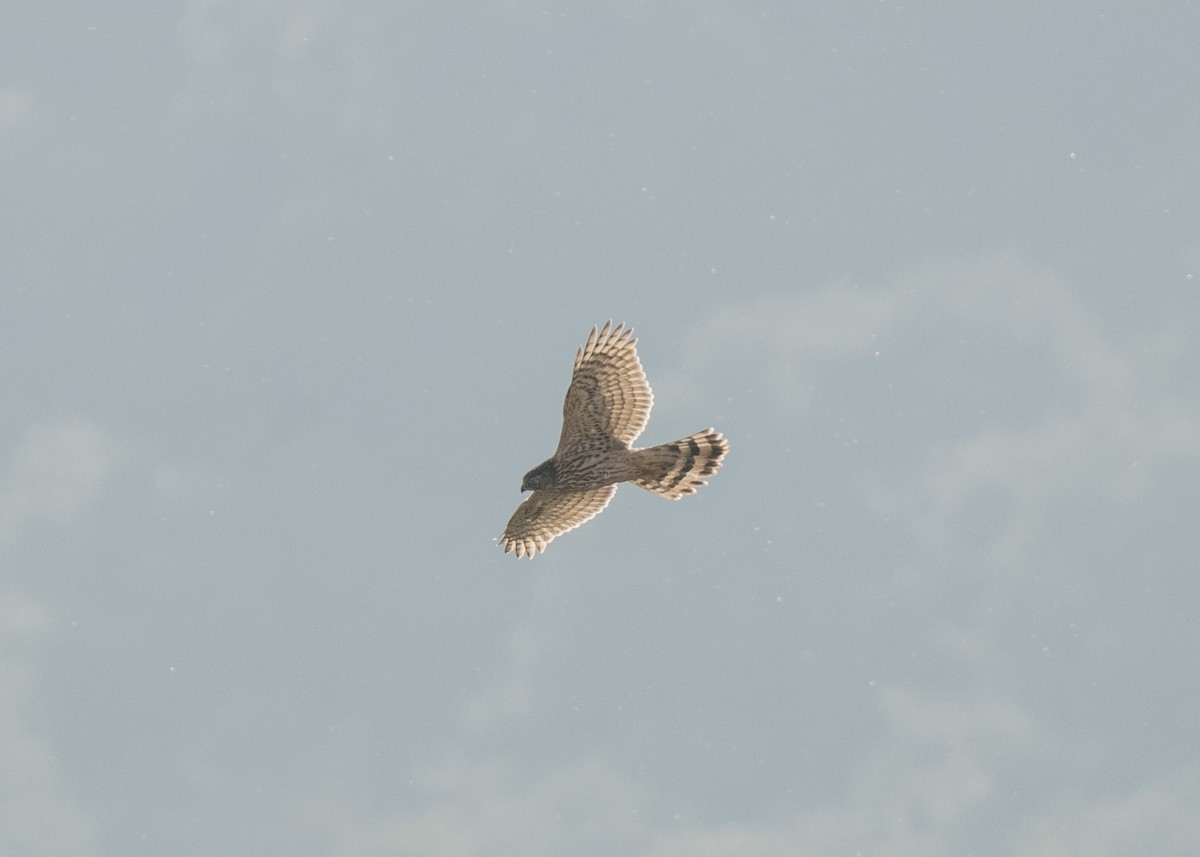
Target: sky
289	296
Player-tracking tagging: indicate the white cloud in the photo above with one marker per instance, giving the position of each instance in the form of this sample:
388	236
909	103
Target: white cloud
56	471
1006	439
243	52
18	108
502	806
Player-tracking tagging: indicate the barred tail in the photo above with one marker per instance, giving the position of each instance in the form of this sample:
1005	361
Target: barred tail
674	469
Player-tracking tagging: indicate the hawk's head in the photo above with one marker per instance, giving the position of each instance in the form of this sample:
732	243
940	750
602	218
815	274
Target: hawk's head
542	476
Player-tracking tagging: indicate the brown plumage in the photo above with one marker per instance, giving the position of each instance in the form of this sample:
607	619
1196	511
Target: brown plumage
607	406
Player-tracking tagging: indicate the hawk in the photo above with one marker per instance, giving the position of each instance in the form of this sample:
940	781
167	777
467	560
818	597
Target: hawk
607	406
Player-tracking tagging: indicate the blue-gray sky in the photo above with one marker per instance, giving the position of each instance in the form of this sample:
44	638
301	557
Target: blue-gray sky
290	294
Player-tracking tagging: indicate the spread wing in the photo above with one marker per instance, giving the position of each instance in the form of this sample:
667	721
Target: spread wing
547	514
609	399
